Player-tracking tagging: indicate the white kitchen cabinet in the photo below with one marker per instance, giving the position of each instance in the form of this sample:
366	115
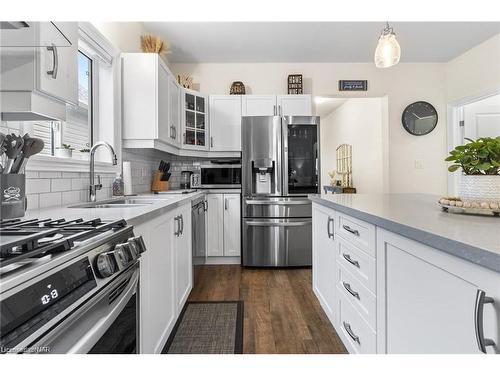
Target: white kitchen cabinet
294	105
166	275
145	94
225	122
323	258
258	105
157	300
224	225
182	256
194	120
232	225
39	81
215	225
427	300
174	108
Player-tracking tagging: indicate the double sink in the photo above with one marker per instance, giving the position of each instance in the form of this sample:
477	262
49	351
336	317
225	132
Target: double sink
121	203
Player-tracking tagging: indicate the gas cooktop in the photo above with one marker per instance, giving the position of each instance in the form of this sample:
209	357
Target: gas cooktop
34	238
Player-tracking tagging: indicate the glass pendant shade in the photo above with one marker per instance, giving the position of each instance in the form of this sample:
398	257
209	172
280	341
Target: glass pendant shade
388	51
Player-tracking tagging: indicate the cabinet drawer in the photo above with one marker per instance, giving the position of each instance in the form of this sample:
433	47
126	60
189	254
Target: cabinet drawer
353	330
359	263
357	232
362	299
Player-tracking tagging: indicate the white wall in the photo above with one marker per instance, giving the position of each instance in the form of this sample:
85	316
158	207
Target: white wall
474	73
126	36
403	84
357	122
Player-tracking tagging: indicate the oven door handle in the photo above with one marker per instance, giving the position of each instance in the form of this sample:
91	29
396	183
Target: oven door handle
94	333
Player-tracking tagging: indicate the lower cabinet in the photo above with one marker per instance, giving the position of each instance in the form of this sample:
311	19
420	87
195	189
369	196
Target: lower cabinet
434	302
323	259
224	225
166	275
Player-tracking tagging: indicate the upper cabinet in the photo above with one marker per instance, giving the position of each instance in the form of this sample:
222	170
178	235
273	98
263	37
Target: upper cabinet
194	120
37	82
150	106
258	105
294	105
225	122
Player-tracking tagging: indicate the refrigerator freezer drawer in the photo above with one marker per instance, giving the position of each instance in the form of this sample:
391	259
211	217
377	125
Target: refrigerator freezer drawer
277	242
277	207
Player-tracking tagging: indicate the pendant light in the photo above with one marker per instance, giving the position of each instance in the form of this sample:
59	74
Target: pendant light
388	51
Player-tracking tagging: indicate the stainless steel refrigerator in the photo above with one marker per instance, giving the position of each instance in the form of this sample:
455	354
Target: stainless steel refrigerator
280	166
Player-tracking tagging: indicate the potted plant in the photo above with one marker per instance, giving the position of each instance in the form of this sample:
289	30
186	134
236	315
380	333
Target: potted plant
65	151
83	153
479	161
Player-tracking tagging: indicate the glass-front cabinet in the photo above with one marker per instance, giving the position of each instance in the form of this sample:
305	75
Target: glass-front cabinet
195	115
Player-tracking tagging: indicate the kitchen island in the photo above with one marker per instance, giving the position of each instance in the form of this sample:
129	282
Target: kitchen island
395	274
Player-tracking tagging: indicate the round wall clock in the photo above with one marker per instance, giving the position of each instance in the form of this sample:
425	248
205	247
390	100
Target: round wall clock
419	118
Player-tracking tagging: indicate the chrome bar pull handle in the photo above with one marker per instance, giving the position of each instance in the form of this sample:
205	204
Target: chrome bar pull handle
225	204
353	231
330	233
347	287
274	109
55	66
349	331
212	142
350	260
481	300
182	224
176	221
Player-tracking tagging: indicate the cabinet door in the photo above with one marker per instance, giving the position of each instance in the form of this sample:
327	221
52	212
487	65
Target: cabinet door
232	225
215	225
174	94
225	123
157	301
422	308
58	68
258	105
163	99
294	105
183	257
323	259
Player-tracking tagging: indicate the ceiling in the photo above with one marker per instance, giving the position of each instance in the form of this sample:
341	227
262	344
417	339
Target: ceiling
195	42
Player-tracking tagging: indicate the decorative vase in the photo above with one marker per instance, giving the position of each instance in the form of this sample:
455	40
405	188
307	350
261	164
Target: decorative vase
480	187
63	152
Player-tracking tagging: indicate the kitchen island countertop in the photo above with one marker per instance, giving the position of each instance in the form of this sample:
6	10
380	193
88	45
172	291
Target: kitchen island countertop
418	217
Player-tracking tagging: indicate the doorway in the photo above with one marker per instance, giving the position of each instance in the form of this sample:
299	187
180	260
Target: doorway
471	119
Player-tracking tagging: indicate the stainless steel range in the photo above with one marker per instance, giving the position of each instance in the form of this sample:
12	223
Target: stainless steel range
280	166
69	286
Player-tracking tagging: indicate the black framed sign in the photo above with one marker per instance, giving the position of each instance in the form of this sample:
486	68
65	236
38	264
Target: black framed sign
353	85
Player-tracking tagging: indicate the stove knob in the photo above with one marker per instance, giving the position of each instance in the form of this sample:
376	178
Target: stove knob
134	250
105	264
141	246
124	253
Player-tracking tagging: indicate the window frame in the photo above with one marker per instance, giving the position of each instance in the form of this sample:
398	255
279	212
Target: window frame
96	47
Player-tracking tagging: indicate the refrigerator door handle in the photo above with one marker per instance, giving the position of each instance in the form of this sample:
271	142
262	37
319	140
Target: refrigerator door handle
284	136
278	223
277	203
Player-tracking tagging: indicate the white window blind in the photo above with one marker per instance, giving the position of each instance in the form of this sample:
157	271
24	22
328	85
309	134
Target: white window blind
75	130
43	130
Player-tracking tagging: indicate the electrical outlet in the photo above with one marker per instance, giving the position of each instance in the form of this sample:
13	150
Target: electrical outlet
419	164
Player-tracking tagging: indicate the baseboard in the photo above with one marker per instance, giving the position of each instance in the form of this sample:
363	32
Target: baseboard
223	260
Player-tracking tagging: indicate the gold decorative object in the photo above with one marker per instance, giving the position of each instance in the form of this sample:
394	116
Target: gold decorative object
153	44
456	204
344	164
237	88
185	81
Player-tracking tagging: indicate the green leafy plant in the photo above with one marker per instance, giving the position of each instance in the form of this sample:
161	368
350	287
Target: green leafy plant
86	149
478	157
66	146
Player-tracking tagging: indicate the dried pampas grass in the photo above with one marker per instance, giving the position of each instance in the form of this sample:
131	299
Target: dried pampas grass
153	44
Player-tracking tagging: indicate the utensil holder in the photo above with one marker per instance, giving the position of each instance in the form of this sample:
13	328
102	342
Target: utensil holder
159	185
13	195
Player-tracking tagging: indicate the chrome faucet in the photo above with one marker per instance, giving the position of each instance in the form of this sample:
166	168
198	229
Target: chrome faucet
94	187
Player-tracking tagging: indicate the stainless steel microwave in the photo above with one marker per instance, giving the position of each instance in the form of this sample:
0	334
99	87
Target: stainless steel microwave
219	174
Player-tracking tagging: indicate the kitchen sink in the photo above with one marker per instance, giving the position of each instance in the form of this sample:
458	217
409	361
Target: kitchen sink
118	203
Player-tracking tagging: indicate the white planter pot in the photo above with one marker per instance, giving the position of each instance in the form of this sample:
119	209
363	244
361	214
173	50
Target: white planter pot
480	187
63	153
81	155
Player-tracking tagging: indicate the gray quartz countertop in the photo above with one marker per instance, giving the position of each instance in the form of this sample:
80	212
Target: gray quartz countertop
133	215
418	217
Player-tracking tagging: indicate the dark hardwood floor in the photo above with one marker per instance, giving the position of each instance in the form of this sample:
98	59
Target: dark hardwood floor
282	314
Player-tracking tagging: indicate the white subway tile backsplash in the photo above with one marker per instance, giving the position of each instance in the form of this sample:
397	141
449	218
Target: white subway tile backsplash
36	185
70	175
79	183
50	200
32	201
31	174
60	184
70	197
49	174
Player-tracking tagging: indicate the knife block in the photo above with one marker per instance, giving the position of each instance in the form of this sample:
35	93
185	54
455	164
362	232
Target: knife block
157	184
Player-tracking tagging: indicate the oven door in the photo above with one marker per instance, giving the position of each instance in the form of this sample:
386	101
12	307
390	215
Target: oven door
277	242
106	324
